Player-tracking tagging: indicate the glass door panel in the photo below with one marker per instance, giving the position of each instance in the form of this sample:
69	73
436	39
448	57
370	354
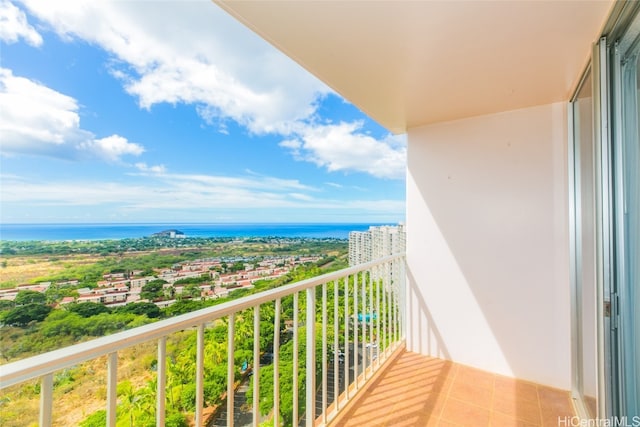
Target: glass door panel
628	228
584	244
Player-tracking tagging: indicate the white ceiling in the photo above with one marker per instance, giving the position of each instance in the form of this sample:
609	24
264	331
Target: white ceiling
410	63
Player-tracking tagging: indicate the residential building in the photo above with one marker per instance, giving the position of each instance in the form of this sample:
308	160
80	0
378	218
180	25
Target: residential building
359	247
375	243
114	297
140	282
387	240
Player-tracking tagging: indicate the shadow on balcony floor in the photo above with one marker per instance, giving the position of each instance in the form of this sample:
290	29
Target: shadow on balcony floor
416	390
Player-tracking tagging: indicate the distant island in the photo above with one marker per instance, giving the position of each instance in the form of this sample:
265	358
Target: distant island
172	234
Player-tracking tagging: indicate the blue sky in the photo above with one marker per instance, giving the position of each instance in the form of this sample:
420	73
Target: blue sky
167	111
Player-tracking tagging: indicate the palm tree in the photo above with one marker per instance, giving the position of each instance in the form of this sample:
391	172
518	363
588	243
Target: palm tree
146	397
215	352
180	373
128	397
244	329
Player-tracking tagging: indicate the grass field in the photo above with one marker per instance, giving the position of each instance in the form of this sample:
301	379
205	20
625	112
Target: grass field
18	270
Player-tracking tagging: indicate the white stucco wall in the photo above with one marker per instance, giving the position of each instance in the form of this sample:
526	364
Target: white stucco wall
487	243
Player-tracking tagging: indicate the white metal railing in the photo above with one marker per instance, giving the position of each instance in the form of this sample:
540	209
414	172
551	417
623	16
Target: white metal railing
366	327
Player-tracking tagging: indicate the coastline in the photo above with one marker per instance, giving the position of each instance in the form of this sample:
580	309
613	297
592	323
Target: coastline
117	231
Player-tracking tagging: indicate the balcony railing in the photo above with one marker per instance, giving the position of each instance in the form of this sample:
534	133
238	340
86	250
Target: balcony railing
351	319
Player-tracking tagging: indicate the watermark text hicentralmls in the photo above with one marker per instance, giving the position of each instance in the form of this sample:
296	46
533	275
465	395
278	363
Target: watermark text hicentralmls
576	421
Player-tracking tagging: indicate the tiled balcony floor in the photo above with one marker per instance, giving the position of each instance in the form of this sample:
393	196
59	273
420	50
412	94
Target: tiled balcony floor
416	390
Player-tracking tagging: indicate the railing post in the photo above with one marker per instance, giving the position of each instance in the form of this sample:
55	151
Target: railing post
311	357
112	388
231	330
256	365
199	375
296	355
393	304
403	298
356	350
336	346
346	338
276	365
378	315
162	377
363	279
324	353
394	279
385	314
46	400
372	321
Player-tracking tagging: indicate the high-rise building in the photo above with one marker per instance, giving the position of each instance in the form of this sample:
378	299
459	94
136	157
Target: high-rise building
377	242
359	247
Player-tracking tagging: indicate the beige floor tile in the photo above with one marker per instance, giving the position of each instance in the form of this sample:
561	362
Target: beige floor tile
419	391
459	412
475	376
522	389
526	410
501	420
471	393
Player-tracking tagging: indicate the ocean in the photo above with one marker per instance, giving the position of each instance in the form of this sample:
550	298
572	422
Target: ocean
60	232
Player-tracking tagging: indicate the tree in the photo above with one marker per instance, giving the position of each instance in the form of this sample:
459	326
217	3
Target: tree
190	280
61	323
30	297
153	290
97	419
184	306
55	293
180	373
237	266
131	399
25	314
6	305
192	290
176	419
87	309
150	309
170	292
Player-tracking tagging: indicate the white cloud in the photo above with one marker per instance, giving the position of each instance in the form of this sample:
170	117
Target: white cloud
38	120
340	147
179	192
14	25
112	148
194	53
255	181
300	196
293	144
157	169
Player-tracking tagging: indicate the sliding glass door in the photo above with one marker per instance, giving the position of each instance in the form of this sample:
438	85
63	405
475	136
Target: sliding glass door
583	252
626	138
605	214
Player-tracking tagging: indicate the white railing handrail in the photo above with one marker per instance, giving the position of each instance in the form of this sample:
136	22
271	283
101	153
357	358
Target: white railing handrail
46	363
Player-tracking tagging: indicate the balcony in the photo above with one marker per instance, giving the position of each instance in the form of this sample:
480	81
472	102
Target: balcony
360	311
